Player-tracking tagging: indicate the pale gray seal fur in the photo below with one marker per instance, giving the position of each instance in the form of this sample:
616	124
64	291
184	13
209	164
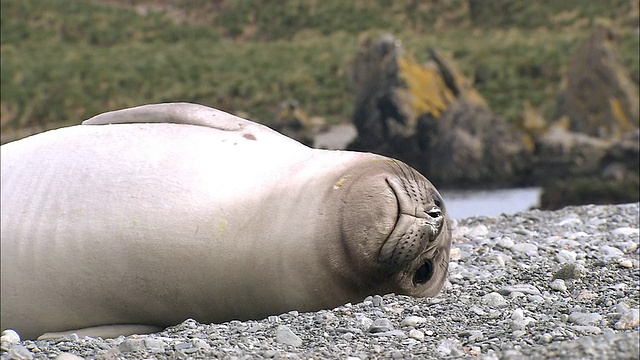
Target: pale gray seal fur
179	211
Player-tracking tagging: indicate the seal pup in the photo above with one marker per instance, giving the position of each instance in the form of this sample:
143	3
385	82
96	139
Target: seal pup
141	218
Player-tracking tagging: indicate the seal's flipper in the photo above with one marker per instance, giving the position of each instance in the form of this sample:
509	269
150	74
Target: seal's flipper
176	113
104	331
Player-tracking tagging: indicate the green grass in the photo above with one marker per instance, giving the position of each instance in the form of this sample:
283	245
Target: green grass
64	61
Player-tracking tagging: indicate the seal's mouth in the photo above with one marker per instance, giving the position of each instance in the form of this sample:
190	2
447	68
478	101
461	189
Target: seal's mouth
418	224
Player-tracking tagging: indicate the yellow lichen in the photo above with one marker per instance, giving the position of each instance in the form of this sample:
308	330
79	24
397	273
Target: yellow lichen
623	122
426	91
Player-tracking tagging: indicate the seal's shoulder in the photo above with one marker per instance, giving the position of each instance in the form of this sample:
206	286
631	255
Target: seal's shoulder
175	113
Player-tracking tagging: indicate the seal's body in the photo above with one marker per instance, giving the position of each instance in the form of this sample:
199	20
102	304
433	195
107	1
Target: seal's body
152	215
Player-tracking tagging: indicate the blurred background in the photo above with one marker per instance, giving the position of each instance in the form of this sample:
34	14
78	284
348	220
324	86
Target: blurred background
502	104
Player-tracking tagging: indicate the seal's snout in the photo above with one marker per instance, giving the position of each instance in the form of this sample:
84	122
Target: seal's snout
419	224
394	219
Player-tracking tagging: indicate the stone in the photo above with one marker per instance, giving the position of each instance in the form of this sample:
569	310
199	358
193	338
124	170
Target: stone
599	99
430	116
285	335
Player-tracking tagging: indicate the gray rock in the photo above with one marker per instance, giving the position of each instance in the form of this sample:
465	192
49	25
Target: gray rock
580	318
285	335
131	345
494	300
523	288
569	271
380	325
18	352
412	321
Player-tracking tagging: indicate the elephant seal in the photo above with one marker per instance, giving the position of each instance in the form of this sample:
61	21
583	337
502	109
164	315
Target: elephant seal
141	218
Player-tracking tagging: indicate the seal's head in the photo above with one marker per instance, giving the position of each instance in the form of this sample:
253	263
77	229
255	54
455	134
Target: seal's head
395	227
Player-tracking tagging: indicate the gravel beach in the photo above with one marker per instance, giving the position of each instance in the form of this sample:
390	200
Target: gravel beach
536	284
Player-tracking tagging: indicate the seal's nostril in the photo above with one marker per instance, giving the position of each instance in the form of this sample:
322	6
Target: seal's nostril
424	273
434	213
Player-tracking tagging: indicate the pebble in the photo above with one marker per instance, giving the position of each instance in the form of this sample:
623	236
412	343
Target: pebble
569	271
416	334
525	248
626	231
626	263
587	329
285	335
8	339
610	251
558	285
477	231
413	321
68	356
380	325
565	256
570	221
18	352
521	288
629	320
505	242
494	300
580	318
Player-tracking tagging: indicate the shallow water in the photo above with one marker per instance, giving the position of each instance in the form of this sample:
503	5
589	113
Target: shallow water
465	203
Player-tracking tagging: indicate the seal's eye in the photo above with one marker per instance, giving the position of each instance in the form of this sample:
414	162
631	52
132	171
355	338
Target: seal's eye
424	273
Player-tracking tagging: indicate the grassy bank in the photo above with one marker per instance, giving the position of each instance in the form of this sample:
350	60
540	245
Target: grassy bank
64	61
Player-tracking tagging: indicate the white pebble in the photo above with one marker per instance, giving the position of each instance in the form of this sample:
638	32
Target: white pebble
610	251
629	320
587	329
505	242
564	256
477	231
10	336
525	248
494	299
412	321
569	221
558	285
580	318
625	263
578	235
518	314
416	334
68	356
626	231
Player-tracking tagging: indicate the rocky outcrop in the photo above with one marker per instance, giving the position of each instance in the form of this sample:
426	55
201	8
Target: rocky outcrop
430	116
599	98
591	152
577	169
